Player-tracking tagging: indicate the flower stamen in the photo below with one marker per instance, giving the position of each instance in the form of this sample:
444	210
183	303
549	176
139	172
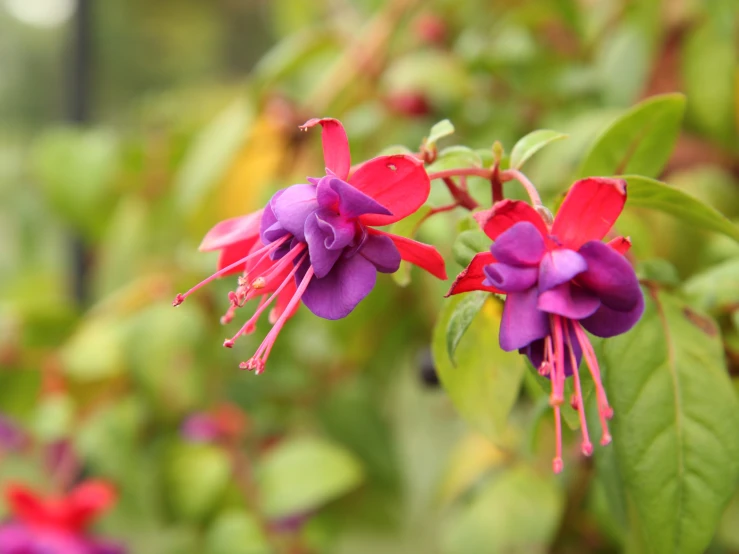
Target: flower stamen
180	298
259	359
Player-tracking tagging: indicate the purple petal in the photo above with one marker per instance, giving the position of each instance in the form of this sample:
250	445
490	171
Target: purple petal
337	230
535	353
294	206
381	251
521	245
522	322
338	293
609	276
509	278
569	301
321	258
350	202
559	266
607	322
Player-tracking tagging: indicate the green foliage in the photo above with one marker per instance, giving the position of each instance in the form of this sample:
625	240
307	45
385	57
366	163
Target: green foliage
468	244
531	144
211	153
304	473
639	142
484	382
648	193
518	510
675	429
443	128
347	444
462	318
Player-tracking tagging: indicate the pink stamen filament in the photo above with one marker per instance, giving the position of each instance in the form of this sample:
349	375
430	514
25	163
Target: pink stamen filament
264	303
180	298
587	446
258	361
604	410
557	463
558	373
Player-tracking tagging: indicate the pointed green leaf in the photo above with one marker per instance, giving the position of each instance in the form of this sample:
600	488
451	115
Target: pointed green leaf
531	144
236	532
455	157
517	512
461	319
715	288
709	64
442	129
639	142
209	156
305	473
675	424
468	244
484	384
196	475
648	193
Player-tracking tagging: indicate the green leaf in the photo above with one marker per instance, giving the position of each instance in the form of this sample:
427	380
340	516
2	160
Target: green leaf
461	319
484	384
211	153
468	244
305	473
709	63
442	129
675	424
519	511
648	193
197	475
54	417
77	169
715	288
455	157
639	142
531	144
658	270
95	351
236	532
407	228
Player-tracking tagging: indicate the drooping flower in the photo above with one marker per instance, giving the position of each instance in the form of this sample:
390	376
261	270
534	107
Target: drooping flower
316	242
560	280
56	525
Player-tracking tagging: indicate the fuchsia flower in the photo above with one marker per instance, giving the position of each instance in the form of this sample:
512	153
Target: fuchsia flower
56	525
559	281
316	242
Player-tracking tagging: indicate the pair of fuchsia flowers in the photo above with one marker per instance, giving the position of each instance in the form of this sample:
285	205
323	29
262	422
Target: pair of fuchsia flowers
316	243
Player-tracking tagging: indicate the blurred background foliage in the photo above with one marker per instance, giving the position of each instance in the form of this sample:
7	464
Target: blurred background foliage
346	444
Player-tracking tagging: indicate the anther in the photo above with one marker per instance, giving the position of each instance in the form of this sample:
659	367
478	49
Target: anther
555	400
574	403
606	439
557	465
608	412
587	448
259	283
179	299
228	343
545	369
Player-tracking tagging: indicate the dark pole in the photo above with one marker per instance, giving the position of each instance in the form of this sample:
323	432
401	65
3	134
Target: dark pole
78	111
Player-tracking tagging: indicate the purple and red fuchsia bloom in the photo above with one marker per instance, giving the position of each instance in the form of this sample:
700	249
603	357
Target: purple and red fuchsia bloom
560	280
56	525
317	242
